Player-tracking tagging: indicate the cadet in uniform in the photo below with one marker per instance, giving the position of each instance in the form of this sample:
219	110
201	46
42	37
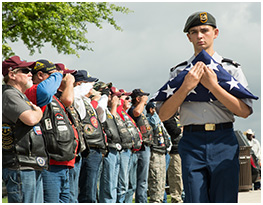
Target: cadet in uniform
209	148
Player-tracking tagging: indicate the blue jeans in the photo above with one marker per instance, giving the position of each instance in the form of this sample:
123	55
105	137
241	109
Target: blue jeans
210	166
74	181
132	178
142	175
88	178
167	161
23	186
109	177
123	179
56	184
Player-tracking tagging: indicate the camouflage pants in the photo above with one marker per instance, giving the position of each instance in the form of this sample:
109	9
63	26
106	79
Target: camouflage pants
157	176
175	179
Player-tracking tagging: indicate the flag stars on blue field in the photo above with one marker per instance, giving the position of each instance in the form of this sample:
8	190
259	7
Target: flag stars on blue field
213	65
169	91
192	91
233	83
200	93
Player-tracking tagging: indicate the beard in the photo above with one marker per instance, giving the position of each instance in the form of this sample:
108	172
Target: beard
29	84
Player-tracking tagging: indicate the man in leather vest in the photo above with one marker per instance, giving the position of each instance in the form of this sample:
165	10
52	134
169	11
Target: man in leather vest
139	100
111	163
92	114
130	140
57	128
75	120
23	148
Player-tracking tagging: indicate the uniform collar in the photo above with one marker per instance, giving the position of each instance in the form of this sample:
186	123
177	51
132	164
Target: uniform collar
216	57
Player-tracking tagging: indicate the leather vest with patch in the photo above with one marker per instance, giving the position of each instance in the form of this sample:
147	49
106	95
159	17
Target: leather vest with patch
58	132
92	130
75	118
159	140
111	129
126	138
134	131
23	145
146	130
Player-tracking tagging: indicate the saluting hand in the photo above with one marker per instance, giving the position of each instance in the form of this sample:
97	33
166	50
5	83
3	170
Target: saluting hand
69	78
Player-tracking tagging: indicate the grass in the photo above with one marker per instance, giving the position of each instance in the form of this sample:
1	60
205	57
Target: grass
4	200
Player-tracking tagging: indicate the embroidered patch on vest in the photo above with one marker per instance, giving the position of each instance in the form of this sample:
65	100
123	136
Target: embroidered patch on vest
94	121
88	129
37	130
7	139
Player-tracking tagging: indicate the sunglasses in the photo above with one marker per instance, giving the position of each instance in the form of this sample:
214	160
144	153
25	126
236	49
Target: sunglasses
23	70
127	98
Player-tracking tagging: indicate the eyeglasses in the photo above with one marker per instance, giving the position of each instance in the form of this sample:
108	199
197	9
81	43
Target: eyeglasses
23	70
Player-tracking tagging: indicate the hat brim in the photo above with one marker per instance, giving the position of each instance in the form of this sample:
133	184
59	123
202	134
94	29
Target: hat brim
90	80
27	64
127	93
250	133
69	71
140	94
61	66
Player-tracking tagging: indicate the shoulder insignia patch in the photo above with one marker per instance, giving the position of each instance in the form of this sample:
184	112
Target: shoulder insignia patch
234	63
180	64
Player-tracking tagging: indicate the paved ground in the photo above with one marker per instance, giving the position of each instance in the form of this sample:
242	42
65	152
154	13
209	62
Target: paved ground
249	197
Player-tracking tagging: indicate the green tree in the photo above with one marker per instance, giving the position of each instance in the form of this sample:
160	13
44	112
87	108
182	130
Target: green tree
63	24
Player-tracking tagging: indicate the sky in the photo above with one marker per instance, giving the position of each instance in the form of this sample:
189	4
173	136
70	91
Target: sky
152	41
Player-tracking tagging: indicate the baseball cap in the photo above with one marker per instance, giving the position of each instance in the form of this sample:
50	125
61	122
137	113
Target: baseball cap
99	85
61	66
115	91
83	75
13	63
199	18
43	65
138	92
124	92
150	105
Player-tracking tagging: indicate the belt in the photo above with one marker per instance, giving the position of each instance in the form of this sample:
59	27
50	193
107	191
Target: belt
94	146
208	127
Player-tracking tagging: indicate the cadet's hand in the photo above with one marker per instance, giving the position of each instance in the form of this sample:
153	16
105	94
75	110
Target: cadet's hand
209	78
193	77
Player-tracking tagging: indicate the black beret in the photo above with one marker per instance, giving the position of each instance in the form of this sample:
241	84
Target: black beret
199	18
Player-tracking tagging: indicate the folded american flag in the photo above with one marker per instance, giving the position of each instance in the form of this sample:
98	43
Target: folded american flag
200	93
